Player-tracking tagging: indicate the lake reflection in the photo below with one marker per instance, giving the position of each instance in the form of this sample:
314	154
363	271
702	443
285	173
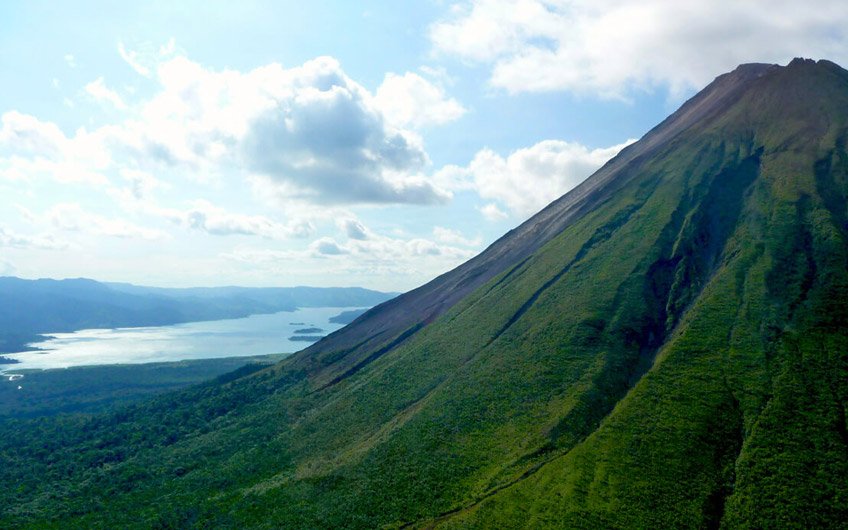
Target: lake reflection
254	335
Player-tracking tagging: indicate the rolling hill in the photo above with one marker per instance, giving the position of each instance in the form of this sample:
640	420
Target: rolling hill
666	346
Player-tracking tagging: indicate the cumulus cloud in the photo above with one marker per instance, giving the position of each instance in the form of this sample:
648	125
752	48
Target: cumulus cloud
491	212
99	91
454	237
307	138
611	47
323	140
30	147
141	183
73	218
201	215
26	213
22	134
131	57
530	178
378	255
145	57
409	100
9	238
353	229
213	220
384	249
327	246
6	268
309	132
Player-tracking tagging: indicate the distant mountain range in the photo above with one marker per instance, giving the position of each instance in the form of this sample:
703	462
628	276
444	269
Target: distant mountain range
31	307
665	346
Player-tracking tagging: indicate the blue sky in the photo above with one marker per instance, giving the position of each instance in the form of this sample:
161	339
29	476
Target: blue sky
336	143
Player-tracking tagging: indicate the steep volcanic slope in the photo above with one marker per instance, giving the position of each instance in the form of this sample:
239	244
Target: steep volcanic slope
665	346
741	421
395	321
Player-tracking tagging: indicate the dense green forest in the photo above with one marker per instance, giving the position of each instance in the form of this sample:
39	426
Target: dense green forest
675	355
91	389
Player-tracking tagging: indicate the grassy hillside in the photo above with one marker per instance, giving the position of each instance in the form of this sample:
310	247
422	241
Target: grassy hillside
676	356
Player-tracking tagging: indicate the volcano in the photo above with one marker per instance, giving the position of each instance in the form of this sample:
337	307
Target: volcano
665	346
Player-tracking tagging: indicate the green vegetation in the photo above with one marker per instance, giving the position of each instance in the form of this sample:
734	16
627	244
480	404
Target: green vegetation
90	389
677	357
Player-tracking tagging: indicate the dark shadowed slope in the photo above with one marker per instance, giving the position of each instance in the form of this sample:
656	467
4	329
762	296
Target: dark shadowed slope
664	347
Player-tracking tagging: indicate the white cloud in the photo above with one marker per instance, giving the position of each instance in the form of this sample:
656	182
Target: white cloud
409	100
145	57
26	213
6	268
360	260
132	58
70	60
530	178
168	48
305	135
611	47
485	30
9	238
66	171
71	217
309	132
99	91
213	220
141	183
201	215
491	212
454	237
320	138
307	141
327	246
31	148
353	229
22	134
385	250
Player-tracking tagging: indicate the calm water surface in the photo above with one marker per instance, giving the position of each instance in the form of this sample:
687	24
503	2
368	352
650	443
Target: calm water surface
253	335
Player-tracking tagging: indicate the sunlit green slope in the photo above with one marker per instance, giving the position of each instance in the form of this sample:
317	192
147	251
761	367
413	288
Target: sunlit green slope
674	354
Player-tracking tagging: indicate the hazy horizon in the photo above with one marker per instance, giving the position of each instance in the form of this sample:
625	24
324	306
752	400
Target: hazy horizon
190	286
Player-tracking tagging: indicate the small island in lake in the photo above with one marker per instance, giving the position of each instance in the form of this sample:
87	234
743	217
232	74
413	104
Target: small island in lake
306	338
308	331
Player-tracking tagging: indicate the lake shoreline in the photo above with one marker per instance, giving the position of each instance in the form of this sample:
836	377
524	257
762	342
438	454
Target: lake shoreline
94	388
259	334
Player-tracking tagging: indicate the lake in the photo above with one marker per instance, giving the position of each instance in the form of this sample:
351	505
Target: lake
253	335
